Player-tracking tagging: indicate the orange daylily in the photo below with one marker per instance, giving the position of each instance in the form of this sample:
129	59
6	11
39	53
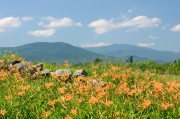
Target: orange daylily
74	111
146	103
3	112
25	87
66	64
48	85
46	113
93	100
108	103
158	87
61	90
165	106
52	102
21	93
95	67
8	97
67	97
68	117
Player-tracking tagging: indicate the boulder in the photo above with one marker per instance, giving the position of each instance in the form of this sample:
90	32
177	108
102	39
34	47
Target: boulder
97	83
38	66
80	72
15	61
19	66
62	72
45	72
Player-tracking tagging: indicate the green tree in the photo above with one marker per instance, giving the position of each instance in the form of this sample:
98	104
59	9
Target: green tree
130	59
97	60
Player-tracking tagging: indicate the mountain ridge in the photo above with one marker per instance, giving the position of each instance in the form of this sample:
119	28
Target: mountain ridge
53	52
60	51
124	50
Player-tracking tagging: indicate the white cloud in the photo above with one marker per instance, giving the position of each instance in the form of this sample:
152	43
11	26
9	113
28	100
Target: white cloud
43	33
102	26
145	45
64	22
131	30
176	28
79	24
26	18
40	23
164	27
152	37
2	30
130	10
95	45
10	22
141	21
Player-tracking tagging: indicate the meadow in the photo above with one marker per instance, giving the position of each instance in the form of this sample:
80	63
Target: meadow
129	93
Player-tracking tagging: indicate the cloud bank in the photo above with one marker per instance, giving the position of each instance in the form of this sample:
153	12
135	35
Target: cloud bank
102	25
10	22
43	33
95	45
176	28
54	22
145	45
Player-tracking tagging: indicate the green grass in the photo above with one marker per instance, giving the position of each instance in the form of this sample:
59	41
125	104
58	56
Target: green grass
125	95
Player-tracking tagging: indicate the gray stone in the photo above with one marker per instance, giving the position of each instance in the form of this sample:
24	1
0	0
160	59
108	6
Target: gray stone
80	72
45	72
20	66
62	72
40	66
10	66
15	61
97	83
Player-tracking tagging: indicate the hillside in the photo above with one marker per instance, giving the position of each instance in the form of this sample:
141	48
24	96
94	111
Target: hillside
124	51
53	52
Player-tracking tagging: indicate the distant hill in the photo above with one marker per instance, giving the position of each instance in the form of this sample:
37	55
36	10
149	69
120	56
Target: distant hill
141	53
53	52
59	52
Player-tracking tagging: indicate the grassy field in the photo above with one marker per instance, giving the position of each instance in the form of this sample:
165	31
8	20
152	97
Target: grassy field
128	94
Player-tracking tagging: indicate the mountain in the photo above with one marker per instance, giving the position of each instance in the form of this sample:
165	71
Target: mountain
141	53
53	52
59	52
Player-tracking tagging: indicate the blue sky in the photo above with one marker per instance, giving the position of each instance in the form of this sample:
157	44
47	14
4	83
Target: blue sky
91	23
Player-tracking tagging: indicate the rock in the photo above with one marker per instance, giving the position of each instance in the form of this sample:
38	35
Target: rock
80	72
102	83
15	61
62	72
38	66
94	81
19	66
97	83
52	73
45	72
28	64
